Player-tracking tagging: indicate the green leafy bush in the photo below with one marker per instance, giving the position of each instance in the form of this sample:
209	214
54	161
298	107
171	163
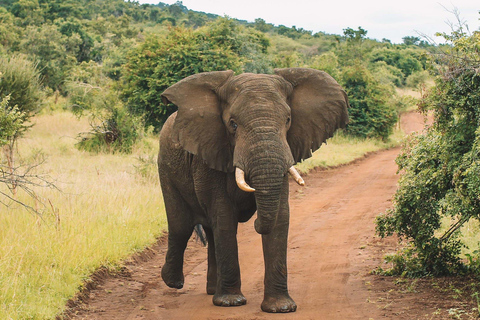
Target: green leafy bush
10	122
91	93
327	62
370	113
21	81
387	74
417	79
118	131
407	60
439	190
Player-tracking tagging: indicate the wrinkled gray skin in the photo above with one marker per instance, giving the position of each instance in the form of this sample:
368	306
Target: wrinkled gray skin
262	124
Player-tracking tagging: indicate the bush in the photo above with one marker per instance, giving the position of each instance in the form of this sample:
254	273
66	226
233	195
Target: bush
439	190
327	62
387	74
418	79
21	81
91	93
10	122
118	131
370	113
407	60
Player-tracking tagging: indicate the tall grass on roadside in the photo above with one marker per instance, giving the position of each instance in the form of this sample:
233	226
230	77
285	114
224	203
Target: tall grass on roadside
105	212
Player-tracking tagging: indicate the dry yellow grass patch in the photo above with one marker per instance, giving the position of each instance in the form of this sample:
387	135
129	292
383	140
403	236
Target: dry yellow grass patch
106	211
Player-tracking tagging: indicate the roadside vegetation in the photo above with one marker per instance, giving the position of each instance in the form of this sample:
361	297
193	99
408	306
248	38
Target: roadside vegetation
437	206
80	112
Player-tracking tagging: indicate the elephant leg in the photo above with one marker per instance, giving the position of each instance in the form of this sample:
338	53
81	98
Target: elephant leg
180	228
212	263
227	292
276	297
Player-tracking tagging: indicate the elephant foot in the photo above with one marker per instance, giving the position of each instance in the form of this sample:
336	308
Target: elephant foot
279	304
172	277
229	300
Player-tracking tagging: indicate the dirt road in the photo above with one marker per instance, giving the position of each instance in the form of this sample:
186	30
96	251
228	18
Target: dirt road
332	250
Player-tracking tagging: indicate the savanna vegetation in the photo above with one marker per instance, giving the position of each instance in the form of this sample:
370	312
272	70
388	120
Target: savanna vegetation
80	109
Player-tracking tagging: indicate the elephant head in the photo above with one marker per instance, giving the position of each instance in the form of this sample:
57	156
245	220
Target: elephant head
259	125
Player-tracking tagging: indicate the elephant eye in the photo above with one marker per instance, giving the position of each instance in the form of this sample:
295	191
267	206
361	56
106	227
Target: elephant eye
234	125
288	120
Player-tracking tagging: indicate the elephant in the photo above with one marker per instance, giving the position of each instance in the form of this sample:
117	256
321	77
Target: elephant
226	154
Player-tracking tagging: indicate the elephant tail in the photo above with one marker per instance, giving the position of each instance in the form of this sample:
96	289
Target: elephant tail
200	234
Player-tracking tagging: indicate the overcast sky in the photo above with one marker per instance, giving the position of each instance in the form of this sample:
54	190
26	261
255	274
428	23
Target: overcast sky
390	19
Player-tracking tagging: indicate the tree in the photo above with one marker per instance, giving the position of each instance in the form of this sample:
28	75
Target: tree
160	62
409	40
354	48
355	35
262	26
439	190
55	53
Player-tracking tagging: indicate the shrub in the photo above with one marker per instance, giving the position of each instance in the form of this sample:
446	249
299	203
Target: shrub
117	131
370	113
327	62
387	74
11	122
92	93
407	60
439	190
21	81
417	79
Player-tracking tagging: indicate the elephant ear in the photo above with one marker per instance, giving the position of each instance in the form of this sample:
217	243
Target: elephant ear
318	106
198	126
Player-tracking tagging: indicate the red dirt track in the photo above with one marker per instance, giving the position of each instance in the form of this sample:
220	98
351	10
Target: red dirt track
332	251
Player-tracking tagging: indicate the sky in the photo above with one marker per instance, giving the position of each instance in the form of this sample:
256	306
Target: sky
389	19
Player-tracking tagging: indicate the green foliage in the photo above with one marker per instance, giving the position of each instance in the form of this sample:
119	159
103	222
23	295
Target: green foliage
160	62
417	80
55	53
407	60
370	114
92	93
440	186
327	62
11	122
117	131
20	80
387	74
247	43
355	35
292	32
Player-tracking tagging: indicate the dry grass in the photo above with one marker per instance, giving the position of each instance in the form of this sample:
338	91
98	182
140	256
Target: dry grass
106	211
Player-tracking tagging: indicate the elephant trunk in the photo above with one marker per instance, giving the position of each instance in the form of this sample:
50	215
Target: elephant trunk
267	176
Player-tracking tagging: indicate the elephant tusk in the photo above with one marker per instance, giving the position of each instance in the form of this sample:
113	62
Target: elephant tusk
294	173
240	178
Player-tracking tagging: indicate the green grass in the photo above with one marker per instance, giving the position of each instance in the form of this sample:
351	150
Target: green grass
109	207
